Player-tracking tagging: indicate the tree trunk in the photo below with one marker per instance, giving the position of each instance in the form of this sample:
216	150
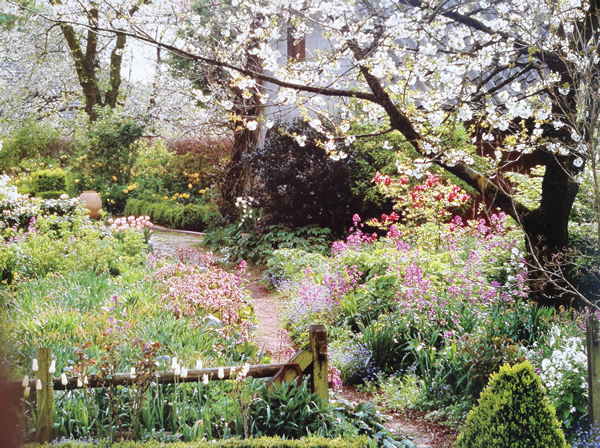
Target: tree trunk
236	173
547	234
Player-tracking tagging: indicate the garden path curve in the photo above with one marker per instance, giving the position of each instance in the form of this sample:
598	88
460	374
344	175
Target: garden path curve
270	336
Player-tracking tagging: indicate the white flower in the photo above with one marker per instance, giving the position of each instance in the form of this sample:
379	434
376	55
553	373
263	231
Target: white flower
52	367
301	139
221	373
38	385
205	379
79	382
34	365
174	363
25	381
177	370
245	370
63	379
199	364
184	372
578	162
252	125
132	373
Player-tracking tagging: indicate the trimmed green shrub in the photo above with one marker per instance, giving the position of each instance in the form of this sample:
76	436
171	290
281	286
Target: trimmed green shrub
263	442
53	180
176	216
513	412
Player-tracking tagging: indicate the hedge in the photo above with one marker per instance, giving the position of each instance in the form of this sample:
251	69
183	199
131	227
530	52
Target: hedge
262	442
175	216
48	180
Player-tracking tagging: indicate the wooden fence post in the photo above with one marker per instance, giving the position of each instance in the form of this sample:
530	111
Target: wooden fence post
318	348
45	396
593	356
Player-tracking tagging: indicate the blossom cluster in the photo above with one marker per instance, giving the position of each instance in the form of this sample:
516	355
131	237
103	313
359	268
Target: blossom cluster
562	362
206	294
131	222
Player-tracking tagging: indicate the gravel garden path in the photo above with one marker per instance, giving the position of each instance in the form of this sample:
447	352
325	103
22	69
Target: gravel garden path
273	339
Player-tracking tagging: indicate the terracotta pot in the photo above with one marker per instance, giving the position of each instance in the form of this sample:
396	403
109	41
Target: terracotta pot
92	202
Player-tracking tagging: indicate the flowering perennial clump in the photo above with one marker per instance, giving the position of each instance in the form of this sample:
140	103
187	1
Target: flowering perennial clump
204	291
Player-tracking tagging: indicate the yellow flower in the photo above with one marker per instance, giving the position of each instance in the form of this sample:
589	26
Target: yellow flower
190	186
126	191
76	181
203	191
165	198
114	178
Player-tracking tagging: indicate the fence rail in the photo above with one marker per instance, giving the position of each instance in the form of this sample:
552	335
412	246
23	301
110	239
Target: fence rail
313	362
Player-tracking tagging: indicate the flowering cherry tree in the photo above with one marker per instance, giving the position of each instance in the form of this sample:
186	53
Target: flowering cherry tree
508	73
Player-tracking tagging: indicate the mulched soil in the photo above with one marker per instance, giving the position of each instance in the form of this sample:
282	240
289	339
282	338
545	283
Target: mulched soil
424	432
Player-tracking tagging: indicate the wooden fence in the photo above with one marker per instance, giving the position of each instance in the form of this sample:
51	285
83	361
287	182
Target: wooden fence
313	362
593	358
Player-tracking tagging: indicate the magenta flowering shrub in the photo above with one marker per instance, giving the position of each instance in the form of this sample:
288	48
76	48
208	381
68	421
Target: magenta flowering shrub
200	290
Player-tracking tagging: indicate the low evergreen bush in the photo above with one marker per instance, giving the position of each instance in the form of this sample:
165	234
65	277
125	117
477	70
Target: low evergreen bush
50	180
513	412
176	216
51	194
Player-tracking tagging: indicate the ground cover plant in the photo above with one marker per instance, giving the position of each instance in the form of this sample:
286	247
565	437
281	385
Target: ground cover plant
432	307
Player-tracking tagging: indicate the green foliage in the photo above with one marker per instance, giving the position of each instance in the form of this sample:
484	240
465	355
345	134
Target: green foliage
31	142
50	180
512	412
198	217
262	442
51	194
293	264
106	158
583	236
112	140
292	411
257	245
397	392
